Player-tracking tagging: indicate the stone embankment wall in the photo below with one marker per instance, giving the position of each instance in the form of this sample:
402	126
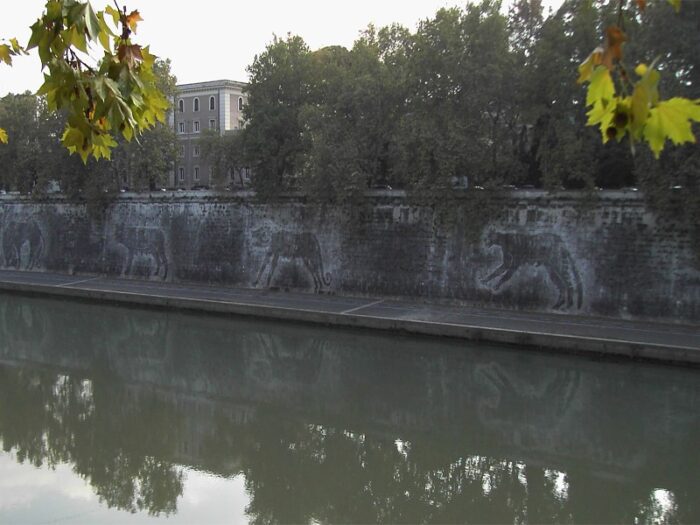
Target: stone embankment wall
541	252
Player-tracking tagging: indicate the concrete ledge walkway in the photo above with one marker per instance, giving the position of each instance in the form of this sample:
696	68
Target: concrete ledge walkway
634	339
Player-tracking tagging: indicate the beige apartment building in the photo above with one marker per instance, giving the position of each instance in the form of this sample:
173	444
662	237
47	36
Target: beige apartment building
216	105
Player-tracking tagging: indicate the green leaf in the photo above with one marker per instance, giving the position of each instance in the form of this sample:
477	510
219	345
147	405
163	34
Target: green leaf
114	13
92	24
104	34
671	120
76	15
37	34
53	9
676	4
45	54
112	86
100	88
137	100
77	39
47	86
74	140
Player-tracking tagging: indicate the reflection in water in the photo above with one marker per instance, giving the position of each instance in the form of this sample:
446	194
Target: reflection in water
333	426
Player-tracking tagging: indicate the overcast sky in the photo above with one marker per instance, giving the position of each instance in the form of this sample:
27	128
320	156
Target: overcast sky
216	39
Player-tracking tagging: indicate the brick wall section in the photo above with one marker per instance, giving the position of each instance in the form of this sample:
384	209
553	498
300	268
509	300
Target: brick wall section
542	252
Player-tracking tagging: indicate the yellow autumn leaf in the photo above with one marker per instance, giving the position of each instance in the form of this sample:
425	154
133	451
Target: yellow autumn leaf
644	96
16	47
3	136
602	114
671	119
132	19
585	70
601	88
5	55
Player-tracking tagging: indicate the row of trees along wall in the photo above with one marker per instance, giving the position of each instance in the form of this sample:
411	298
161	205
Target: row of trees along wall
471	96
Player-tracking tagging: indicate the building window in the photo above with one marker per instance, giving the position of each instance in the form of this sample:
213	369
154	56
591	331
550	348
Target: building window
182	150
195	104
212	104
182	174
212	124
195	152
181	127
196	126
181	106
196	173
240	103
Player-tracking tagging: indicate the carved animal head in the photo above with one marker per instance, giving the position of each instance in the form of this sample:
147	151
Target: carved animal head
492	238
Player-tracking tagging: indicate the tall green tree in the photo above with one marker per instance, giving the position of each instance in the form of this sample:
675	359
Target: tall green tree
28	160
458	105
563	150
34	159
278	89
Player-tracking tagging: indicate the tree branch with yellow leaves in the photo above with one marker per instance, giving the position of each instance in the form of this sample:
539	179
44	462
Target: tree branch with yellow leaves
115	95
624	106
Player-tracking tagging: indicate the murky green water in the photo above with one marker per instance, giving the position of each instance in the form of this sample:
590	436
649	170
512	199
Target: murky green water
116	415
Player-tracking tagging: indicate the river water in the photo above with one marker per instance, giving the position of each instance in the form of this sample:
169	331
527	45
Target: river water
115	415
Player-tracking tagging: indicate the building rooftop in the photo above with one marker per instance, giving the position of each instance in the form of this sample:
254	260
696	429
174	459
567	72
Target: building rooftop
212	84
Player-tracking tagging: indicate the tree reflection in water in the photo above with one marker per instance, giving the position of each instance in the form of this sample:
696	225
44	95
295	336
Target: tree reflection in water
116	446
332	426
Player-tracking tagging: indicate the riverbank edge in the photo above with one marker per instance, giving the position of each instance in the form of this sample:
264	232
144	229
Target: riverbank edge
557	343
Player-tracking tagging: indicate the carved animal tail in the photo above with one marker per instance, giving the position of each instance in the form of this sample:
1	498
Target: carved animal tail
40	250
577	278
325	276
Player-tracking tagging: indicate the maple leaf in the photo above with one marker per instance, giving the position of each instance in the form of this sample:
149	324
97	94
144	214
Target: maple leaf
130	54
603	115
671	119
132	19
601	88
